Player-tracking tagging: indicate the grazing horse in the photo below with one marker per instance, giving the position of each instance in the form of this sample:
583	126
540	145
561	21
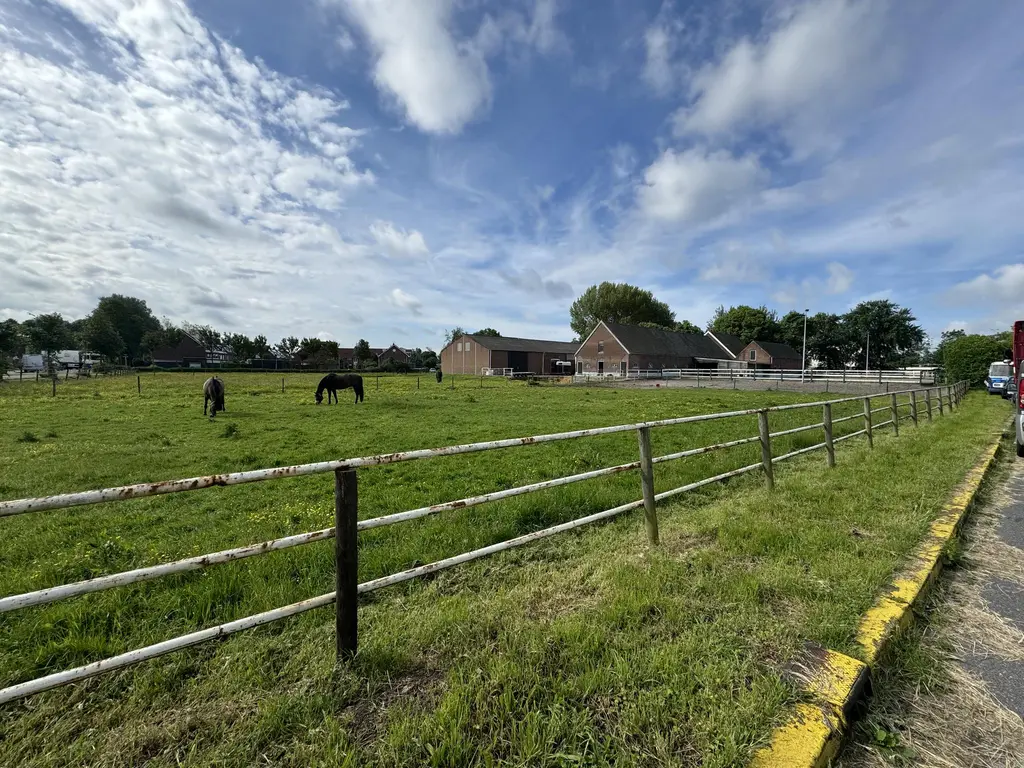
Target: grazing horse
332	382
213	391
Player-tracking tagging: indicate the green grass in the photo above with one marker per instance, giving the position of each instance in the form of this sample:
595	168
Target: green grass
589	648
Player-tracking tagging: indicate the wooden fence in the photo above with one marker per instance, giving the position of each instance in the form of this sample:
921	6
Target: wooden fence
347	523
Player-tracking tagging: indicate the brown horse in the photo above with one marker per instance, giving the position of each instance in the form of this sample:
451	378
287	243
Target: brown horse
213	391
332	382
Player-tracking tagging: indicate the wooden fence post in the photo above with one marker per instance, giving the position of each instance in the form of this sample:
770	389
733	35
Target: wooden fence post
949	395
895	416
928	402
830	450
942	406
138	383
913	406
54	387
867	421
282	383
766	449
346	562
647	484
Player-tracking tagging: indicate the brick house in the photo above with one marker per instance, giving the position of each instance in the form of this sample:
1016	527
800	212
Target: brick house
614	349
471	354
770	354
393	353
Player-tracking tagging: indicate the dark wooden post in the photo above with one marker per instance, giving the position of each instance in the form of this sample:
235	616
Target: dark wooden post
867	421
949	394
647	484
895	416
346	562
282	383
942	407
830	449
766	449
138	383
928	402
54	387
913	406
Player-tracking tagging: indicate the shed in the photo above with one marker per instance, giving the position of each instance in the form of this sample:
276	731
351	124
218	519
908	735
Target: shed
614	349
771	354
476	354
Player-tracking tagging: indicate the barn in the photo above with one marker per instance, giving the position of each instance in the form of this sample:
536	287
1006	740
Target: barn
771	354
473	354
613	349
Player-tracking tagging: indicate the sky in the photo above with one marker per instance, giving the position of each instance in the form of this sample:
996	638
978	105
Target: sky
387	169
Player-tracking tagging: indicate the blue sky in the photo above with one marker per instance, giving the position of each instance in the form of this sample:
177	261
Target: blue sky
386	169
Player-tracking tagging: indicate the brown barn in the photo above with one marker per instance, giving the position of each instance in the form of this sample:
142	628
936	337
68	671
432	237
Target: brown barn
187	353
613	349
770	354
393	353
475	354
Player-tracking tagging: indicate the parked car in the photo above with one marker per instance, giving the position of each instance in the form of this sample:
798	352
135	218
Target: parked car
1000	378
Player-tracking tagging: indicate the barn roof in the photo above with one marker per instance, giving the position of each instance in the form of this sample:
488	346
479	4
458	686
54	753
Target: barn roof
513	344
657	341
777	349
734	344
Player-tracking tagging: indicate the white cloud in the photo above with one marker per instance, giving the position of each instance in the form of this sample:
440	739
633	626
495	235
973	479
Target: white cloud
440	83
822	57
840	278
397	242
698	186
736	265
403	300
530	281
1006	284
659	47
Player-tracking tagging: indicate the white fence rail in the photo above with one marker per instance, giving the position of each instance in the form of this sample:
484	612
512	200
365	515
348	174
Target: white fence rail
347	525
921	377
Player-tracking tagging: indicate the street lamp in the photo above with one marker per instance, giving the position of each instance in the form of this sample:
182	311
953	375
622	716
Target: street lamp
803	354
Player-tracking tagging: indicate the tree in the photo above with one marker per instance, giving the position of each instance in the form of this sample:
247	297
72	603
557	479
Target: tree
241	347
287	347
102	338
12	344
260	347
168	335
428	359
362	353
685	326
895	338
319	353
937	355
47	333
207	337
791	329
487	332
828	341
453	333
130	318
967	358
618	303
749	323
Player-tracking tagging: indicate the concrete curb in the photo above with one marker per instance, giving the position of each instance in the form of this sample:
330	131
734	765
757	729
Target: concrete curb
836	685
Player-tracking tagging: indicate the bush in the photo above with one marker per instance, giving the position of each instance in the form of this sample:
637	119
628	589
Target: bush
968	358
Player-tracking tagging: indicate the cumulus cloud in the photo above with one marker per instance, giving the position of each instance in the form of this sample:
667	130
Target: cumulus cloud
531	281
397	242
698	186
735	265
403	300
820	59
1006	284
840	278
660	42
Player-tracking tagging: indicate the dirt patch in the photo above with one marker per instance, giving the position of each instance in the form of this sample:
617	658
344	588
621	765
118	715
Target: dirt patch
419	688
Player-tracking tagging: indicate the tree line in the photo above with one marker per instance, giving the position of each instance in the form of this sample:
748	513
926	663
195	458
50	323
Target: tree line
123	329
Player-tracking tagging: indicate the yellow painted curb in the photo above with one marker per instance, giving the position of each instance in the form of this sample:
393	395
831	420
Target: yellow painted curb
813	734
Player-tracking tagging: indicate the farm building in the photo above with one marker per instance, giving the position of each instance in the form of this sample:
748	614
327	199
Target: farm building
733	346
475	354
394	353
770	354
613	349
187	353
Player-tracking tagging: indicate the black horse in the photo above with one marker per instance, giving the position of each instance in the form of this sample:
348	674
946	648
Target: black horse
332	382
440	376
213	391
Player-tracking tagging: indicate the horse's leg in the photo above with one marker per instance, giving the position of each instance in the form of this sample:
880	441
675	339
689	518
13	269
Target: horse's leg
206	402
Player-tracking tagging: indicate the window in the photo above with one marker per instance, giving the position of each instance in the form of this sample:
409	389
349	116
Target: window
458	347
600	346
467	347
753	354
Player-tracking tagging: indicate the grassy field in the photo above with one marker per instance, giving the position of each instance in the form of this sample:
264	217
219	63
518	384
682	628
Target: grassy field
585	649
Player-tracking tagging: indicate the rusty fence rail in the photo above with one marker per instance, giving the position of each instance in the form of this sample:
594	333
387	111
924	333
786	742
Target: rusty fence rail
347	525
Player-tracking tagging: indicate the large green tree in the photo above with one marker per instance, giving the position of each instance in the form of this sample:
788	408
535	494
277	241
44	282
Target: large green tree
619	303
130	317
791	329
967	357
487	332
685	326
287	348
241	346
208	337
362	353
896	339
101	337
749	323
47	333
828	341
12	344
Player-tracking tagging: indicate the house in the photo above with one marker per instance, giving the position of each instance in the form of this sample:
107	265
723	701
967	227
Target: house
187	353
613	349
475	354
393	354
771	354
733	346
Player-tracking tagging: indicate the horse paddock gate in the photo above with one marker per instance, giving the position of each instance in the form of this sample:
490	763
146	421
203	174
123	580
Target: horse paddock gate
347	525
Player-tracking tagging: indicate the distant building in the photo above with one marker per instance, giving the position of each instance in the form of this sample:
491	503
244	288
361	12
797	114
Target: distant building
770	354
187	353
394	354
733	346
613	349
471	354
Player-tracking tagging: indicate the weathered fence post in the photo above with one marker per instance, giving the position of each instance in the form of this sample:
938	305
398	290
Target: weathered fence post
378	383
942	406
928	402
830	450
138	383
895	416
949	394
54	387
766	449
417	382
346	562
913	406
867	421
647	484
282	383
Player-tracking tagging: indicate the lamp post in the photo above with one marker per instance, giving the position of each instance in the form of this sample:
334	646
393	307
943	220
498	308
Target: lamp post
803	354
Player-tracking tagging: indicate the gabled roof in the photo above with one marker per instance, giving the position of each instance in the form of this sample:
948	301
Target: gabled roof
731	344
656	341
777	349
512	344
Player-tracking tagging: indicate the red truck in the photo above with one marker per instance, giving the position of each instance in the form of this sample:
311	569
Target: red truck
1018	380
